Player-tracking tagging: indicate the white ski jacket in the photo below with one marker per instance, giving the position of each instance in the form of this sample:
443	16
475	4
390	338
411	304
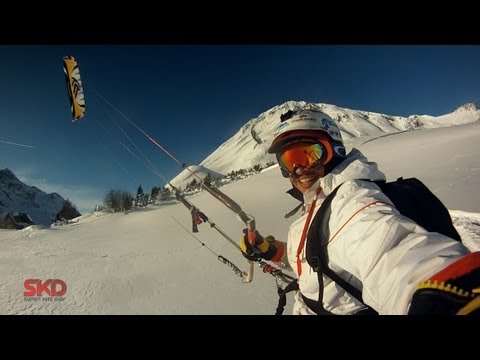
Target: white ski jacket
387	253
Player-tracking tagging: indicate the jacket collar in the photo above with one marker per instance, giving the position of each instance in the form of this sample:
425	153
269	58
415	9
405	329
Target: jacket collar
355	166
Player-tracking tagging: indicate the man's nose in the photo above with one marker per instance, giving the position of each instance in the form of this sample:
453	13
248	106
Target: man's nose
299	170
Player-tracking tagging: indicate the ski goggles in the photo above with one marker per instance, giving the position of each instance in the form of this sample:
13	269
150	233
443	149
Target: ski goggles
304	154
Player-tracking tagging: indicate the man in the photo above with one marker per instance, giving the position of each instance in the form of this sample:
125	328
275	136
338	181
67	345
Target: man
400	267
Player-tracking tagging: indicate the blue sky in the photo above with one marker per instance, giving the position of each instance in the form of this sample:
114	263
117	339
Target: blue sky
193	98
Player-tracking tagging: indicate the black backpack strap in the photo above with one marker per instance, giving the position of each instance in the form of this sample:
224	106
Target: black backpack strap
317	306
316	251
282	293
313	305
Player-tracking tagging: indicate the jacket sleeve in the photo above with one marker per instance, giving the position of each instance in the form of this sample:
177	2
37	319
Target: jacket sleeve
386	251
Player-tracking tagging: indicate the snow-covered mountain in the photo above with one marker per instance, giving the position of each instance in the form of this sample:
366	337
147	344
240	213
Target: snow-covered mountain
15	196
249	145
186	176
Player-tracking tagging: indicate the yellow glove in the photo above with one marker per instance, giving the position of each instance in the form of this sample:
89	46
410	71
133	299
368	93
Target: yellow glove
265	248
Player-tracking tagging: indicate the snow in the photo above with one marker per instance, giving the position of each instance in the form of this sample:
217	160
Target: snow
352	123
143	262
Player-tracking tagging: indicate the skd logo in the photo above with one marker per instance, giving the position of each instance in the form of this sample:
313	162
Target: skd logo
51	287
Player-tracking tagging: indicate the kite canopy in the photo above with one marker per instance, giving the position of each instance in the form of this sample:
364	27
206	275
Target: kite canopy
74	86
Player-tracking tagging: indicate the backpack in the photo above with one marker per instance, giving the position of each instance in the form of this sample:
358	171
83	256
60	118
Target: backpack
411	198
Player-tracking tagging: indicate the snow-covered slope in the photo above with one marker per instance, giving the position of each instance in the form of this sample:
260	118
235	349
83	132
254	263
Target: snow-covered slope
148	261
463	115
186	176
249	145
15	196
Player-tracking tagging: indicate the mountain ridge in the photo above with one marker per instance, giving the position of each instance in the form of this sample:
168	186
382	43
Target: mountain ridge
16	196
249	145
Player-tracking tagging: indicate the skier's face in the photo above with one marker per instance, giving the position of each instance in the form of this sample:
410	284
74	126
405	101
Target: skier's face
303	162
303	178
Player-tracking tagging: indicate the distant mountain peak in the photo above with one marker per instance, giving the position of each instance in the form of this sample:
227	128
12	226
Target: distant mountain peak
468	107
16	196
7	174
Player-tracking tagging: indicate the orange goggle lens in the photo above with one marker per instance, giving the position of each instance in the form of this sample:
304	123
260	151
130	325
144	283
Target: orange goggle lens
303	154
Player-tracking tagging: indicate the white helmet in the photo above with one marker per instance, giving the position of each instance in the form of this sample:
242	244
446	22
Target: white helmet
302	123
